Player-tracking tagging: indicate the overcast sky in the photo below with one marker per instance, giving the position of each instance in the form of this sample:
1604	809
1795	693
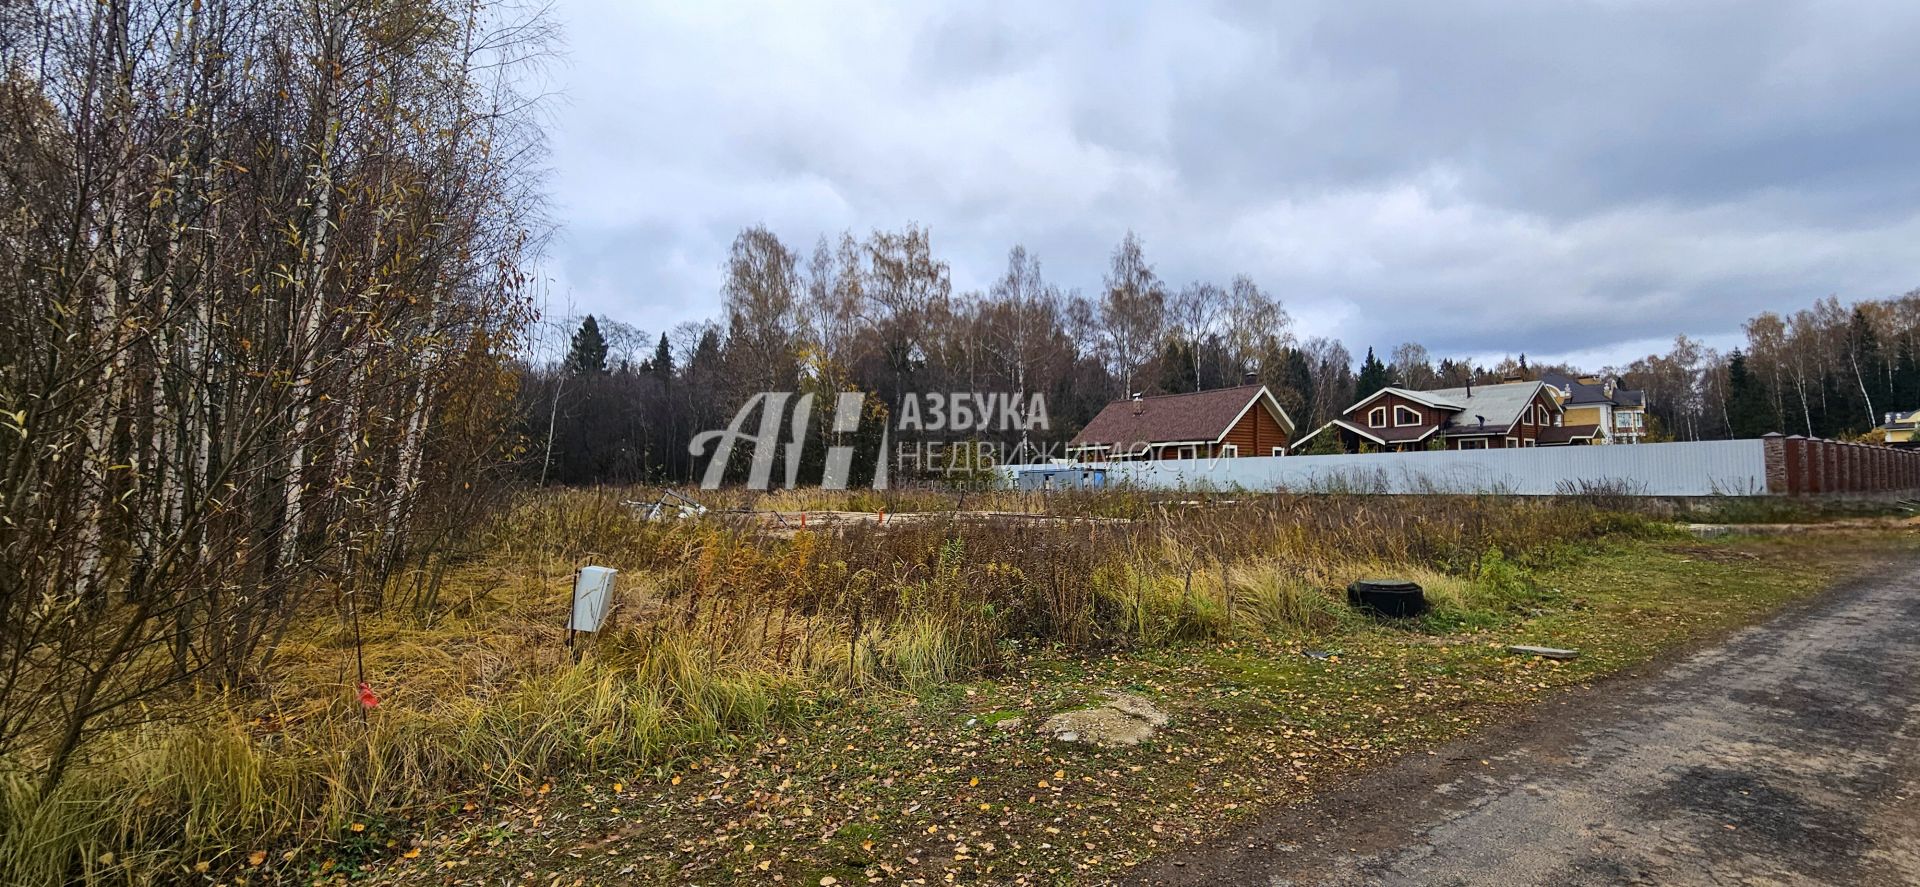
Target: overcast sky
1579	179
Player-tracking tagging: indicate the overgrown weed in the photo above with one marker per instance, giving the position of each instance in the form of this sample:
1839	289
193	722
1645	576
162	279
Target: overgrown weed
729	624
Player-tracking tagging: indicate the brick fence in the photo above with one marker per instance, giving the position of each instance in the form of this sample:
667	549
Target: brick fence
1803	465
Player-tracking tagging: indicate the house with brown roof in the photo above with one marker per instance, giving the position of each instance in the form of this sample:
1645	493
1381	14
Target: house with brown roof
1245	420
1474	417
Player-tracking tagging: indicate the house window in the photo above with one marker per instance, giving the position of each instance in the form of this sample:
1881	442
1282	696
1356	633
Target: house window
1527	443
1230	451
1187	452
1377	417
1279	451
1473	443
1403	416
1512	442
1526	416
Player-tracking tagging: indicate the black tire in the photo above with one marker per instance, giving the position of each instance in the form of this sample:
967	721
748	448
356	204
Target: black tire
1388	598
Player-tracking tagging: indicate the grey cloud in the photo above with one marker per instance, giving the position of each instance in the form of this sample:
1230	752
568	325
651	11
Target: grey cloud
1484	177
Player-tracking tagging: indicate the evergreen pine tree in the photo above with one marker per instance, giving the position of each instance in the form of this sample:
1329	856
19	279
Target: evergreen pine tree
1869	395
1374	376
589	353
1176	368
1906	381
1296	381
662	363
1748	411
1326	443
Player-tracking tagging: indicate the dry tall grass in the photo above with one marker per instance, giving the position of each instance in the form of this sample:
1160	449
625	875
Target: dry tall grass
723	626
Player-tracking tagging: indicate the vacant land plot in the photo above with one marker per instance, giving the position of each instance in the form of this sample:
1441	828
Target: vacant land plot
861	701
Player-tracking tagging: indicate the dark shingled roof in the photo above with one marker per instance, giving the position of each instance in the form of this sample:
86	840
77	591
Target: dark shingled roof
1902	421
1200	415
1581	394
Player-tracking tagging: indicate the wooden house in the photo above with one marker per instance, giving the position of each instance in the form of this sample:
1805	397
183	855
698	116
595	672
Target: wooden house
1222	423
1474	417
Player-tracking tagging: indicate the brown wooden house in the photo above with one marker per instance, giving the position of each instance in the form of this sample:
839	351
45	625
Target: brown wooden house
1221	423
1476	417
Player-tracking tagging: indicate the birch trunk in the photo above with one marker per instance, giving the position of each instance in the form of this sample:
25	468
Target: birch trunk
312	311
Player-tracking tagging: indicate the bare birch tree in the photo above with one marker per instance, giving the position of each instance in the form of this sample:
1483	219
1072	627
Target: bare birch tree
263	275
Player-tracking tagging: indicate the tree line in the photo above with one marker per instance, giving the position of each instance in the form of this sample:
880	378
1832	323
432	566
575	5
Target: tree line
879	314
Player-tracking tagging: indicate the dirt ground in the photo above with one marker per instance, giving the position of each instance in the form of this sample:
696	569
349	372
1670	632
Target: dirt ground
1789	754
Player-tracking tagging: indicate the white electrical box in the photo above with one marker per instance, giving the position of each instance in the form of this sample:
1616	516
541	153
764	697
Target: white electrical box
592	595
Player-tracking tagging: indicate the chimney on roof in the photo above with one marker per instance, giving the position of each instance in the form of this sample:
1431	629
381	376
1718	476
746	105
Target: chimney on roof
1249	378
1139	404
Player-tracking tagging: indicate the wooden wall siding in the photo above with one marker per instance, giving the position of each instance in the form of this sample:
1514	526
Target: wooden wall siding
1428	415
1257	433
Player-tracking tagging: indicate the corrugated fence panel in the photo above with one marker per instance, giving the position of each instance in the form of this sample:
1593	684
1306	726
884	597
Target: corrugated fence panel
1705	468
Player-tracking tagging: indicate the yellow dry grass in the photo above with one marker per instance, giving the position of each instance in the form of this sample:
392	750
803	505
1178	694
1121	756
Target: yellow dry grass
719	628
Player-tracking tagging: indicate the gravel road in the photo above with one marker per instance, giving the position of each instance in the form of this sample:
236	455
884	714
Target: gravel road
1787	755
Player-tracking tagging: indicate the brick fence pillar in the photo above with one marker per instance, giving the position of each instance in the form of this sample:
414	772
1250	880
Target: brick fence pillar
1775	448
1829	467
1794	449
1816	464
1882	472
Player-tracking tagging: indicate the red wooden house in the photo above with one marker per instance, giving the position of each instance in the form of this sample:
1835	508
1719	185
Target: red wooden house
1476	417
1221	423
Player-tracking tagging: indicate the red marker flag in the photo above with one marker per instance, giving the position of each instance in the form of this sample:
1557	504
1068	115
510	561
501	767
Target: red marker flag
366	696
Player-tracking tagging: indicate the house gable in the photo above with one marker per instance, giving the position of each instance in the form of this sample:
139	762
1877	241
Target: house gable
1422	398
1391	403
1257	432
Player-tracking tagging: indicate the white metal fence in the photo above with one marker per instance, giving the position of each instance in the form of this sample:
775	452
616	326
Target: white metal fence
1705	468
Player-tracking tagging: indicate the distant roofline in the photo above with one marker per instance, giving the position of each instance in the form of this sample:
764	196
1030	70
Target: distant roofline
1419	397
1258	390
